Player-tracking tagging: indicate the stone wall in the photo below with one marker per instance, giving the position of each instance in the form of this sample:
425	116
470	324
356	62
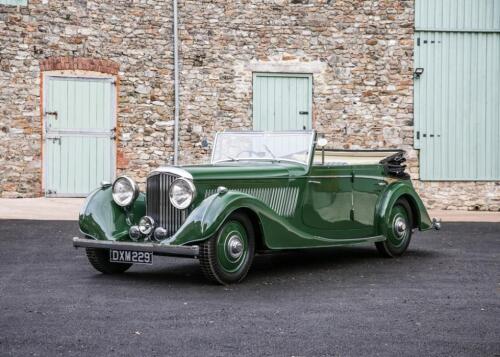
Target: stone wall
84	35
359	52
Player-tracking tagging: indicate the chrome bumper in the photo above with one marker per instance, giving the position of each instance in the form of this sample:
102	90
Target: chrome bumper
159	249
436	224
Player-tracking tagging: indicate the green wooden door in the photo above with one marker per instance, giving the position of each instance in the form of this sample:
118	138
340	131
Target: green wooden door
282	101
457	98
79	146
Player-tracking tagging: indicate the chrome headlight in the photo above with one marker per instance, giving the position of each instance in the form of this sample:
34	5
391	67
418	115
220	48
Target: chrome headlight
125	191
182	193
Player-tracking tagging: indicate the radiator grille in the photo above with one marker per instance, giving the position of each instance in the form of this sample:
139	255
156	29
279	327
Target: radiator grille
158	204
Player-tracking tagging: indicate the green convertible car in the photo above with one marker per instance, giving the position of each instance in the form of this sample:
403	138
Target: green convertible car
262	192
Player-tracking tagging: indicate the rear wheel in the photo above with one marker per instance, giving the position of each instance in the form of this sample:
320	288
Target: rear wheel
399	232
226	257
99	259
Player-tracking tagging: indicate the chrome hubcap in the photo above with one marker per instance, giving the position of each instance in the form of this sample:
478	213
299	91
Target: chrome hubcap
235	247
400	227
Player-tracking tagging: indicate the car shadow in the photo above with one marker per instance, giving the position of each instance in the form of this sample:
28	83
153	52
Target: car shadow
349	261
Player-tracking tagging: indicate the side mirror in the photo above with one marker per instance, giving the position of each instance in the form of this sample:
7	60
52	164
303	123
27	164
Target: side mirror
321	142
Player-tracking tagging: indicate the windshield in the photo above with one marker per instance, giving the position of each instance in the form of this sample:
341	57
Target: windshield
271	146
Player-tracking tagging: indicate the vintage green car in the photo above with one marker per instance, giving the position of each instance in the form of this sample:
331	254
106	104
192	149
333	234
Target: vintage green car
262	192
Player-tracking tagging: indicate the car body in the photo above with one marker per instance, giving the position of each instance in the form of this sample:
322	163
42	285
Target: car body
262	192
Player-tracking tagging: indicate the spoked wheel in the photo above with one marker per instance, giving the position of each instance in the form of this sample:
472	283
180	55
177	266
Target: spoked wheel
99	259
226	257
399	232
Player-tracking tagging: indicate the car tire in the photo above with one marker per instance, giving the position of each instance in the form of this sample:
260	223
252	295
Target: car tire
226	257
399	232
99	259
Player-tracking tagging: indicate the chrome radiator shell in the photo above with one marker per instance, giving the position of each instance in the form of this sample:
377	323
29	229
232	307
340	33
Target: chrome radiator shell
158	204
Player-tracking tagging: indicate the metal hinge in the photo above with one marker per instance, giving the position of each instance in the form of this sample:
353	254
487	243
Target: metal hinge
54	113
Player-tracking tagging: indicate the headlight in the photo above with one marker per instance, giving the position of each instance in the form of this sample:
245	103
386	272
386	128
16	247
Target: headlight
182	193
125	191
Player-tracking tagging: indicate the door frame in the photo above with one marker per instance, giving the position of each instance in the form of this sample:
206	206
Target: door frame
309	76
76	75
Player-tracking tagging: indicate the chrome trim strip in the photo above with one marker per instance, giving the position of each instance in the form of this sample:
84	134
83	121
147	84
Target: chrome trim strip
331	176
180	250
380	178
171	170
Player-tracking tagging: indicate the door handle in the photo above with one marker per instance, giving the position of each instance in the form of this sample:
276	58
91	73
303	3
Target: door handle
303	112
382	183
315	182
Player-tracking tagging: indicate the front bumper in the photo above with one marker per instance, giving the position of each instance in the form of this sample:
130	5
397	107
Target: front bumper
158	249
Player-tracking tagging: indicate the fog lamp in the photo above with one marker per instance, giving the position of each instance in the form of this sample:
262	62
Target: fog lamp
146	225
134	233
160	233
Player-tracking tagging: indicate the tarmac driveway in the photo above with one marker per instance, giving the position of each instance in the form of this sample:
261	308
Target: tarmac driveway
442	298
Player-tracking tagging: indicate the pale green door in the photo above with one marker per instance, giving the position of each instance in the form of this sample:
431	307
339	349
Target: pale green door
282	101
457	98
79	124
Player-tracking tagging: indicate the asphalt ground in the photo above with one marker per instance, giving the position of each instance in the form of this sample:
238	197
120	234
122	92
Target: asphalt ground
441	298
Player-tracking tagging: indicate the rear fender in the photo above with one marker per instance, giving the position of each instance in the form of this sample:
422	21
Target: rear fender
101	218
395	191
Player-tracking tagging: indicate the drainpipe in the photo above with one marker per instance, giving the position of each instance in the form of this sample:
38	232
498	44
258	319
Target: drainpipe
176	86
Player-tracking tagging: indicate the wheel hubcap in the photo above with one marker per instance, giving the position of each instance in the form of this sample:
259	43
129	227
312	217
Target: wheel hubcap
400	227
232	246
235	247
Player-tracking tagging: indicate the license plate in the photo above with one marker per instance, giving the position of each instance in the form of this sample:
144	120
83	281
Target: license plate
130	256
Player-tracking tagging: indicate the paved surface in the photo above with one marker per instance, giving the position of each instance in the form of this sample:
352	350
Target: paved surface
68	208
442	298
40	208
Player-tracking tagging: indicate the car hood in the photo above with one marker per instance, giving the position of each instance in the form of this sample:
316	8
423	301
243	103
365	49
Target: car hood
245	170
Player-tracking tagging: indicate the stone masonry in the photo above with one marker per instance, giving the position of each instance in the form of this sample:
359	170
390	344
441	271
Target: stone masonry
360	54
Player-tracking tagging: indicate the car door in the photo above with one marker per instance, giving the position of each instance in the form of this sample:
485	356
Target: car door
327	201
368	184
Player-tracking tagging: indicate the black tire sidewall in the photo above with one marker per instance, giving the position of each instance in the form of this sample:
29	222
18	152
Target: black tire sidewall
221	275
388	248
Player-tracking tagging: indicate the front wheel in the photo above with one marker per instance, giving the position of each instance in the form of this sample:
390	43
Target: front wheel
99	259
226	257
399	232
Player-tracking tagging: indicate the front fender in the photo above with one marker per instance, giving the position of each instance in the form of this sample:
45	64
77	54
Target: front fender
101	218
393	192
206	218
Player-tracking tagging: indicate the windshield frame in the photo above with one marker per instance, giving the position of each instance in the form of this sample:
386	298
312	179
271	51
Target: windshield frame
312	141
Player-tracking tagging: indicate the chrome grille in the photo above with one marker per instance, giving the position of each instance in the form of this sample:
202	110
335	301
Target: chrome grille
158	204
